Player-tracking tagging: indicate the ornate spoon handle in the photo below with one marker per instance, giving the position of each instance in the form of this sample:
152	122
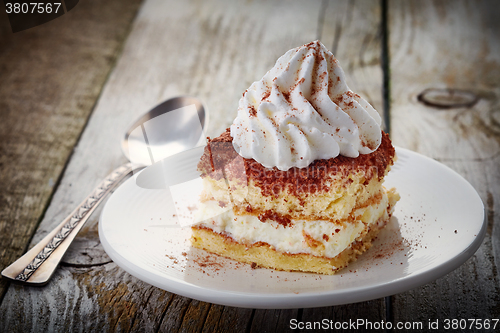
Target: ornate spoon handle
38	264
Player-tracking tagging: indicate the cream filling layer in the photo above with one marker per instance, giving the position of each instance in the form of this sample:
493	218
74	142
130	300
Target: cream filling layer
321	238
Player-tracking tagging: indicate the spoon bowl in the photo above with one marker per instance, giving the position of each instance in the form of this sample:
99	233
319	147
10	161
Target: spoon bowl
169	128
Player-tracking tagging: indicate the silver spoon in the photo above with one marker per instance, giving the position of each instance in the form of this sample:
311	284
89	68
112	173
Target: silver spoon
171	127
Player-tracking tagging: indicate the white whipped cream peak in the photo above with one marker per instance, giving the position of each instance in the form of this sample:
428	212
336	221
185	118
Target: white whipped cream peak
301	111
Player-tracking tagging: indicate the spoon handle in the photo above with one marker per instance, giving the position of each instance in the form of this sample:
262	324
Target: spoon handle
38	264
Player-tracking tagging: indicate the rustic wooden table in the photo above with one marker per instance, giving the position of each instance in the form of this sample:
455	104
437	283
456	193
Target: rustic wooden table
70	87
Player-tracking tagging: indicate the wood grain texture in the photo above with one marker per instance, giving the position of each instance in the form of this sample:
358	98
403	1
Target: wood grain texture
213	49
444	44
273	320
120	304
51	77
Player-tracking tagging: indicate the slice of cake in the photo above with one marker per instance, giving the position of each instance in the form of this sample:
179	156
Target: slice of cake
296	183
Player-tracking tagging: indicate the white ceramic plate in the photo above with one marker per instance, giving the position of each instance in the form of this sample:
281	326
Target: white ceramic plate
437	225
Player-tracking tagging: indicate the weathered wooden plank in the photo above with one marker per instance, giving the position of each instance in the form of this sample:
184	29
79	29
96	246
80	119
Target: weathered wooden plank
151	312
213	49
194	318
444	44
273	320
228	319
174	314
51	77
122	304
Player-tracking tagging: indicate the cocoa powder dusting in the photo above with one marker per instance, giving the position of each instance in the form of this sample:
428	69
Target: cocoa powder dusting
287	96
210	153
209	261
270	215
221	154
253	112
311	242
266	95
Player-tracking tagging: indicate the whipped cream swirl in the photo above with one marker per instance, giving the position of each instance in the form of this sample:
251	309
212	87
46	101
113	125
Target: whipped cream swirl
301	111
